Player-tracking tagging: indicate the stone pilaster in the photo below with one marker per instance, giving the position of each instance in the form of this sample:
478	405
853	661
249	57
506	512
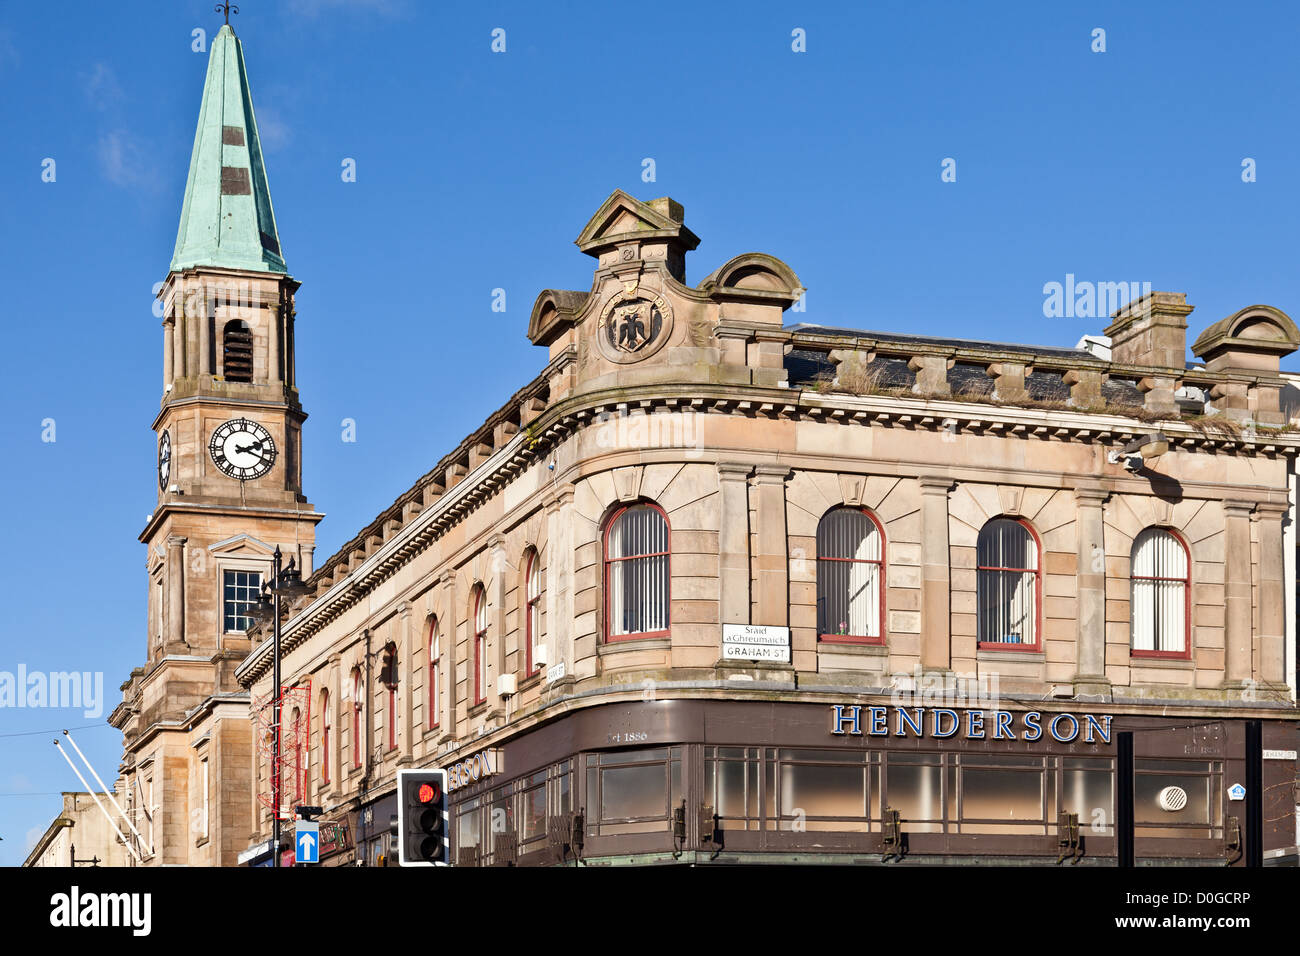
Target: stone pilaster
1090	650
175	642
1237	593
450	623
772	562
1271	672
733	543
936	644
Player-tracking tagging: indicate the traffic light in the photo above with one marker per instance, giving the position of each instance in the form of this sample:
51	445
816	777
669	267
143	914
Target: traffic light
422	818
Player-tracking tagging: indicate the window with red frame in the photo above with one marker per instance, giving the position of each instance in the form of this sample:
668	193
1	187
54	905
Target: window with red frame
850	577
636	573
480	644
1007	585
356	717
1161	589
324	736
435	675
532	608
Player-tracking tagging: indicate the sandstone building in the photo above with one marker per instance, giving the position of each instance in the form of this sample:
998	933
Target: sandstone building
715	587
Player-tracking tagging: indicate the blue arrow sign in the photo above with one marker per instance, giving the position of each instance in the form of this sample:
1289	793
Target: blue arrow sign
307	842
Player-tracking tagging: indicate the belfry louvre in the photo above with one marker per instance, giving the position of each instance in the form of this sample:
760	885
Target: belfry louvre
717	588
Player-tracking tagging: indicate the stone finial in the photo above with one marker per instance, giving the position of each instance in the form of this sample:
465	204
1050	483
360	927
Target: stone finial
1254	339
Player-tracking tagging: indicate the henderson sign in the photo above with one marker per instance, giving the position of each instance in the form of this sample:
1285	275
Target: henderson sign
942	722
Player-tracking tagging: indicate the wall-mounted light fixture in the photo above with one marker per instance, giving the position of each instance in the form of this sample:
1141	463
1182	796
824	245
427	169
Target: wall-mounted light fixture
1139	451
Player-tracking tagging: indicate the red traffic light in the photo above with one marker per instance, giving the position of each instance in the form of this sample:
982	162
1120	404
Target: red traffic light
427	793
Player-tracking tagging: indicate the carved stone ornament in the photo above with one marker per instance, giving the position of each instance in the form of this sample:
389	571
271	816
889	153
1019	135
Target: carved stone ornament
634	324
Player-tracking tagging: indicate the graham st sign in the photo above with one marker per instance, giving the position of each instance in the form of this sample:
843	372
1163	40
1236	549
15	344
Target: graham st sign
940	723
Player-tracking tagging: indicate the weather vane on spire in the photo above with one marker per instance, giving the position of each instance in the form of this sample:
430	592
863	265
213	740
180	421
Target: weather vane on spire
227	8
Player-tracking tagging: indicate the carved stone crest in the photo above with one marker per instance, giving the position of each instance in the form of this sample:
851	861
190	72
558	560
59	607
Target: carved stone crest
634	324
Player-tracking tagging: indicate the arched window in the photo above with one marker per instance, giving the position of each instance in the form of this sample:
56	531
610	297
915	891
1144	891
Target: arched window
1008	585
636	573
435	675
237	351
850	577
480	644
356	717
1161	590
324	736
532	607
297	754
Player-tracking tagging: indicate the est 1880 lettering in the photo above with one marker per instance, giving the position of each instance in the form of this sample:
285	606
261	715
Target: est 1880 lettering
628	737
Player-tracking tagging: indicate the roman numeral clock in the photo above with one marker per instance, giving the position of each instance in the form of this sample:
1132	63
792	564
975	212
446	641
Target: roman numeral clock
242	449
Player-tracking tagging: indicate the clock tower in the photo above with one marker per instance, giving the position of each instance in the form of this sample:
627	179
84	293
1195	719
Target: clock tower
229	484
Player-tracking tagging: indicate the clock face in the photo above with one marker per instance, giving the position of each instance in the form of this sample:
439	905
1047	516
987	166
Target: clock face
164	459
242	449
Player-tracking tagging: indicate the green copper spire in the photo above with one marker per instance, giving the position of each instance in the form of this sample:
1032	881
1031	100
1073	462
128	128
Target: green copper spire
227	220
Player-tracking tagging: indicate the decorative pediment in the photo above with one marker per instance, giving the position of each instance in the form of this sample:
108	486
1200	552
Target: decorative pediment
622	218
754	275
244	545
553	312
1256	337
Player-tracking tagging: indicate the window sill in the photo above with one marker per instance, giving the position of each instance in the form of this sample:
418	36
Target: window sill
984	652
639	644
1173	663
841	647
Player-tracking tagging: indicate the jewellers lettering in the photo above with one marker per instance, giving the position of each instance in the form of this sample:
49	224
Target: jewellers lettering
473	769
943	722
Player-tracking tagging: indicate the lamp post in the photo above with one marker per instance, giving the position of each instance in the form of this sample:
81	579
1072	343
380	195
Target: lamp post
284	581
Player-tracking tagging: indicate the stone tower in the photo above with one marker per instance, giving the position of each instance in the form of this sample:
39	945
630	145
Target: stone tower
229	479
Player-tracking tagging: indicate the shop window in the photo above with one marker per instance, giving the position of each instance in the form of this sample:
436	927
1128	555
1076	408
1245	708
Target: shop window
914	787
850	577
633	791
999	794
1088	789
469	833
636	573
1178	798
732	786
823	790
1008	585
1161	589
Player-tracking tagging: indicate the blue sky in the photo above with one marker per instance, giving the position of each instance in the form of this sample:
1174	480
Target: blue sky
476	170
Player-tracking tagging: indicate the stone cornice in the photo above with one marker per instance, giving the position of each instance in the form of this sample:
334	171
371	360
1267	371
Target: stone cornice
399	540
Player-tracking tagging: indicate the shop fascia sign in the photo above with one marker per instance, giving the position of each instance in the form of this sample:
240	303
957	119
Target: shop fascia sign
941	723
480	766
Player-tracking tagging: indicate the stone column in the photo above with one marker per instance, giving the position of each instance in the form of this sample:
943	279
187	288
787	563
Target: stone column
1090	635
733	543
936	589
204	368
772	562
1237	615
178	344
561	625
1272	596
169	351
175	594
